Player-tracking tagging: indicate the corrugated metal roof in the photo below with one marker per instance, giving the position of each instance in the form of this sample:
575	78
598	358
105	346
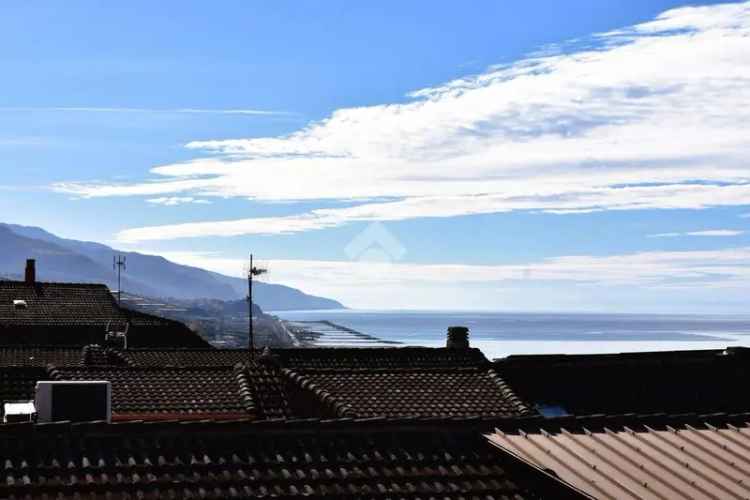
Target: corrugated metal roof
666	461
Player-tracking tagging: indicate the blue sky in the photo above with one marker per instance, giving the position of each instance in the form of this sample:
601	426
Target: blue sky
579	155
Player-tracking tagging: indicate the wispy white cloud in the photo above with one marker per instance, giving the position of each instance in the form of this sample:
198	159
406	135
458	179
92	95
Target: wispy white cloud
710	232
684	272
653	117
171	201
118	109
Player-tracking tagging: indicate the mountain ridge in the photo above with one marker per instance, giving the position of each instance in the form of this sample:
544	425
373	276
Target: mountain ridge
63	259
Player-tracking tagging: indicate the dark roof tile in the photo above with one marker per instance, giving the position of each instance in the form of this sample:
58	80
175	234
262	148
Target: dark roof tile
40	356
166	392
379	357
56	304
399	382
286	460
459	392
79	314
17	383
186	357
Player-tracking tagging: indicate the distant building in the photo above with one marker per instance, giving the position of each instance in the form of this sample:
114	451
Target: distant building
77	314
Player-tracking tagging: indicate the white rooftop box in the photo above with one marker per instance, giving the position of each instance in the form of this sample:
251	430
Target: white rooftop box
21	411
77	401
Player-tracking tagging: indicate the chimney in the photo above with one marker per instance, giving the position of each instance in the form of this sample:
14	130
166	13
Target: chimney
30	271
458	337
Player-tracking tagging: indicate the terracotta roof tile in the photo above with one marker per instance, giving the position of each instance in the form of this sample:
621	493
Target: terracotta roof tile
40	356
411	392
380	357
56	304
399	382
186	357
79	314
263	391
176	392
344	460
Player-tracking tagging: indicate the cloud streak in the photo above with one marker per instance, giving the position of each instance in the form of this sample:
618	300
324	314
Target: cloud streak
171	201
117	109
545	283
652	117
709	232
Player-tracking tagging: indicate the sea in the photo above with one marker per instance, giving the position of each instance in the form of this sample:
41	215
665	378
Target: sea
500	334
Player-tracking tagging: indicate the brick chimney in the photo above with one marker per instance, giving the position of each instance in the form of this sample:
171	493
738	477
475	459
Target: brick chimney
458	337
30	271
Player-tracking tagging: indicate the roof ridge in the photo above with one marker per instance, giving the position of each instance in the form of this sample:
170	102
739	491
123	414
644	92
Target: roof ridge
54	283
509	394
131	367
323	396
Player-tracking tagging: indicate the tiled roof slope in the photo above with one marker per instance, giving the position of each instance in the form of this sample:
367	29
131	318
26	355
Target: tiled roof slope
291	460
156	384
178	393
669	382
40	356
186	357
641	458
78	314
460	392
400	382
56	304
263	391
379	357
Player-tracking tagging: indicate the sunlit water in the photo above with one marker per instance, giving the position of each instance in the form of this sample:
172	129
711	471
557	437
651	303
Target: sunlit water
501	334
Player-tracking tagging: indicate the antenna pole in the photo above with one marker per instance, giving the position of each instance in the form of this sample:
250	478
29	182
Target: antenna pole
251	333
253	271
119	263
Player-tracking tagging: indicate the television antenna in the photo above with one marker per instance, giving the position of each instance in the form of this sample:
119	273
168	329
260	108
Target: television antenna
119	263
252	270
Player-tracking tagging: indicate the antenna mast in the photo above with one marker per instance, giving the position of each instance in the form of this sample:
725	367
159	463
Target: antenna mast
252	271
119	264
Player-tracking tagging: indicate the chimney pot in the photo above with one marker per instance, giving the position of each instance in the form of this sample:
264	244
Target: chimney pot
458	337
30	271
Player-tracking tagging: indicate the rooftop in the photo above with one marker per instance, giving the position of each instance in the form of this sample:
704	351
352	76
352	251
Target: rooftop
653	457
702	381
447	459
79	314
210	383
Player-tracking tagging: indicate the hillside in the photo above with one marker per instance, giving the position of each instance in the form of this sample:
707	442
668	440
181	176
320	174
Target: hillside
61	259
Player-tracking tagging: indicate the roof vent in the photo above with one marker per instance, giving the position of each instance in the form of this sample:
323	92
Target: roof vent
20	304
458	337
76	401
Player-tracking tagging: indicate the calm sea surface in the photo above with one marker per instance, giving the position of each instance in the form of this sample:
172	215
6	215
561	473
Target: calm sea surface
501	334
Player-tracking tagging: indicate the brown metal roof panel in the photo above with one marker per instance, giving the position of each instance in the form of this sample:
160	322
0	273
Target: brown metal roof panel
672	460
652	473
708	481
611	474
719	466
623	467
545	458
674	471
